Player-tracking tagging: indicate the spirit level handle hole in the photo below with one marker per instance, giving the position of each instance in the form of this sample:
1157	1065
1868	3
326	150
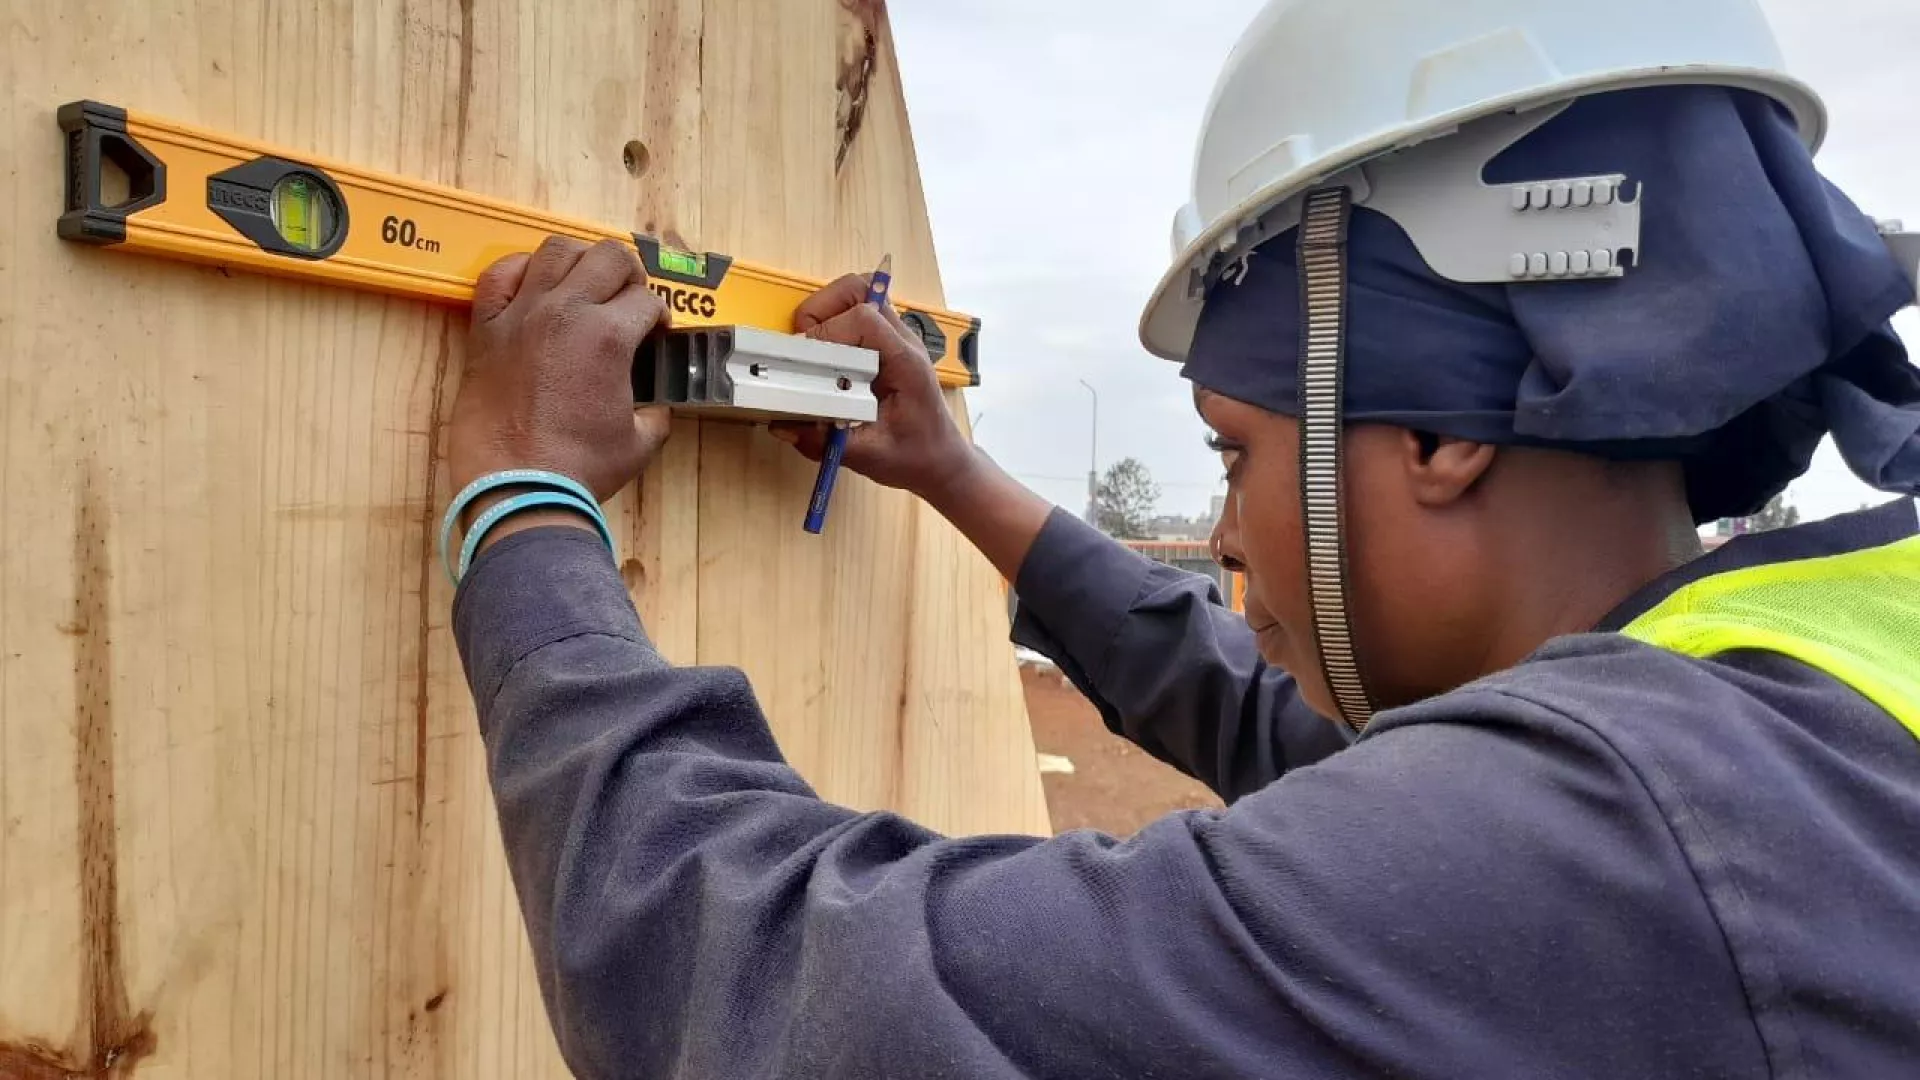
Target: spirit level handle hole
125	175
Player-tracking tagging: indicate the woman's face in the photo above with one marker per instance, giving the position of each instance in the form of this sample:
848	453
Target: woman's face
1411	573
1259	534
1455	552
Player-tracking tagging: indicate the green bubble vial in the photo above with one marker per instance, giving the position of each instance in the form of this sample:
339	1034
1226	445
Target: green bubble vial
682	262
305	213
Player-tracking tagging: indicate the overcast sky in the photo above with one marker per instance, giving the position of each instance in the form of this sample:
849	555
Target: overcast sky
1055	140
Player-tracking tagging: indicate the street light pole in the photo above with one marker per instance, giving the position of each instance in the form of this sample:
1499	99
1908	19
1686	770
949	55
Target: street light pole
1093	459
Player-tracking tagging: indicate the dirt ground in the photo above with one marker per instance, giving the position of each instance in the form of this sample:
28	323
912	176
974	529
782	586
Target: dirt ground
1114	787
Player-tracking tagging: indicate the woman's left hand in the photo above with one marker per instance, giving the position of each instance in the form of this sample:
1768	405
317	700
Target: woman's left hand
548	378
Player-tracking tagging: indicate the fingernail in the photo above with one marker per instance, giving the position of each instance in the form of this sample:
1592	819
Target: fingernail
785	436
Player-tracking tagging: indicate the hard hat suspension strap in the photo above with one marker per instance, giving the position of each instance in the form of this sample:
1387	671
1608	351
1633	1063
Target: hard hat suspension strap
1323	308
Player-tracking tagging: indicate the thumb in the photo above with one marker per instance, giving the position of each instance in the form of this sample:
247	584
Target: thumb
808	437
652	426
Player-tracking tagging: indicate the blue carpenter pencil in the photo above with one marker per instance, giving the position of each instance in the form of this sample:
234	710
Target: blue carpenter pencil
837	434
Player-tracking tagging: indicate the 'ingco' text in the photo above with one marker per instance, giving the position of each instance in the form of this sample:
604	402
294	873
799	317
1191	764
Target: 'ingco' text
686	301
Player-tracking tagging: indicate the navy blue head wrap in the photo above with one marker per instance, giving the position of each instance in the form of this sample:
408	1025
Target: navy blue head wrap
1754	323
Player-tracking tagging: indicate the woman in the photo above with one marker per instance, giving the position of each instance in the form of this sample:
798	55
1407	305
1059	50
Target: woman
1520	782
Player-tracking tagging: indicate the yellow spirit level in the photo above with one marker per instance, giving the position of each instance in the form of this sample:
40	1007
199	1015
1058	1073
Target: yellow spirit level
204	197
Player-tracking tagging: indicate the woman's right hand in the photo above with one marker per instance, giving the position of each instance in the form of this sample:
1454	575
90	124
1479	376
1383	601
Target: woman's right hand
915	444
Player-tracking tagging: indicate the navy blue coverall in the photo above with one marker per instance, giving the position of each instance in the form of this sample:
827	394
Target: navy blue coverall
1610	861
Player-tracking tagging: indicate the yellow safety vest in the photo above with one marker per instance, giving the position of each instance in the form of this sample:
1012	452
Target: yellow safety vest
1854	616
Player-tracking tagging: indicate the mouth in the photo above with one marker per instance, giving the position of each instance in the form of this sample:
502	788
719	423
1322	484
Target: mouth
1259	619
1263	623
1267	633
1268	636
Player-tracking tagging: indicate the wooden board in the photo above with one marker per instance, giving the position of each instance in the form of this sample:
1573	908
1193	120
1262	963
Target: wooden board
244	823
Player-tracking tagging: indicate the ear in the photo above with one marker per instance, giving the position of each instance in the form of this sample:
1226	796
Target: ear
1442	470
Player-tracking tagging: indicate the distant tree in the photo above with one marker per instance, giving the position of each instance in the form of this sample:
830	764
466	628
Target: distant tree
1777	514
1125	500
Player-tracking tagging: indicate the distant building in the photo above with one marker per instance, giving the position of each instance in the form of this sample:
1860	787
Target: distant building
1196	557
1171	527
1726	529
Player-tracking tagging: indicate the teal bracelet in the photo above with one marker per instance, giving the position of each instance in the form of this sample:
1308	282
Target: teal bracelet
535	478
532	500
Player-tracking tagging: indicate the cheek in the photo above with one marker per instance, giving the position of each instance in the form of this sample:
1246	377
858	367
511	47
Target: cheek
1268	504
1394	558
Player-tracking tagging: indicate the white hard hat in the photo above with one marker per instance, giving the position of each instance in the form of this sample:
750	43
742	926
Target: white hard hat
1315	88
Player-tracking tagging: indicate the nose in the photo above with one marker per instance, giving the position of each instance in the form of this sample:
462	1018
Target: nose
1226	538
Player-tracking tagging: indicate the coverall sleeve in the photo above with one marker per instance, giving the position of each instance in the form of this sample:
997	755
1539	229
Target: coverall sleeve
1165	661
1439	902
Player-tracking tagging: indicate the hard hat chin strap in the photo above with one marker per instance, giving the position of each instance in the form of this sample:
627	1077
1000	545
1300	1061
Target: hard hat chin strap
1322	246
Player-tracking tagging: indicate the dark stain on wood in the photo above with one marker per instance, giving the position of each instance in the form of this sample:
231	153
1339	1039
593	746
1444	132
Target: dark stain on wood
396	514
670	115
428	563
29	1061
859	56
437	1000
465	100
896	754
116	1038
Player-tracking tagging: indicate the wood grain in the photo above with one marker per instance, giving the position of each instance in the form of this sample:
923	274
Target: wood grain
244	822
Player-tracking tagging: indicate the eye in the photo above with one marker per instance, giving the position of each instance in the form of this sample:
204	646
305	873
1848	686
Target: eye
1230	452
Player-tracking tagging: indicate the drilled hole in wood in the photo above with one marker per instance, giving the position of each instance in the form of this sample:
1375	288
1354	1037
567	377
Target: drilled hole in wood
635	157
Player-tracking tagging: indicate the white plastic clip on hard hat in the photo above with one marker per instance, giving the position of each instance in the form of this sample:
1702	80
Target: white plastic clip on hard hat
1315	88
1469	231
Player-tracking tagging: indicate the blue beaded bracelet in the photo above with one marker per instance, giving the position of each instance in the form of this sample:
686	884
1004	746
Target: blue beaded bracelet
583	500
